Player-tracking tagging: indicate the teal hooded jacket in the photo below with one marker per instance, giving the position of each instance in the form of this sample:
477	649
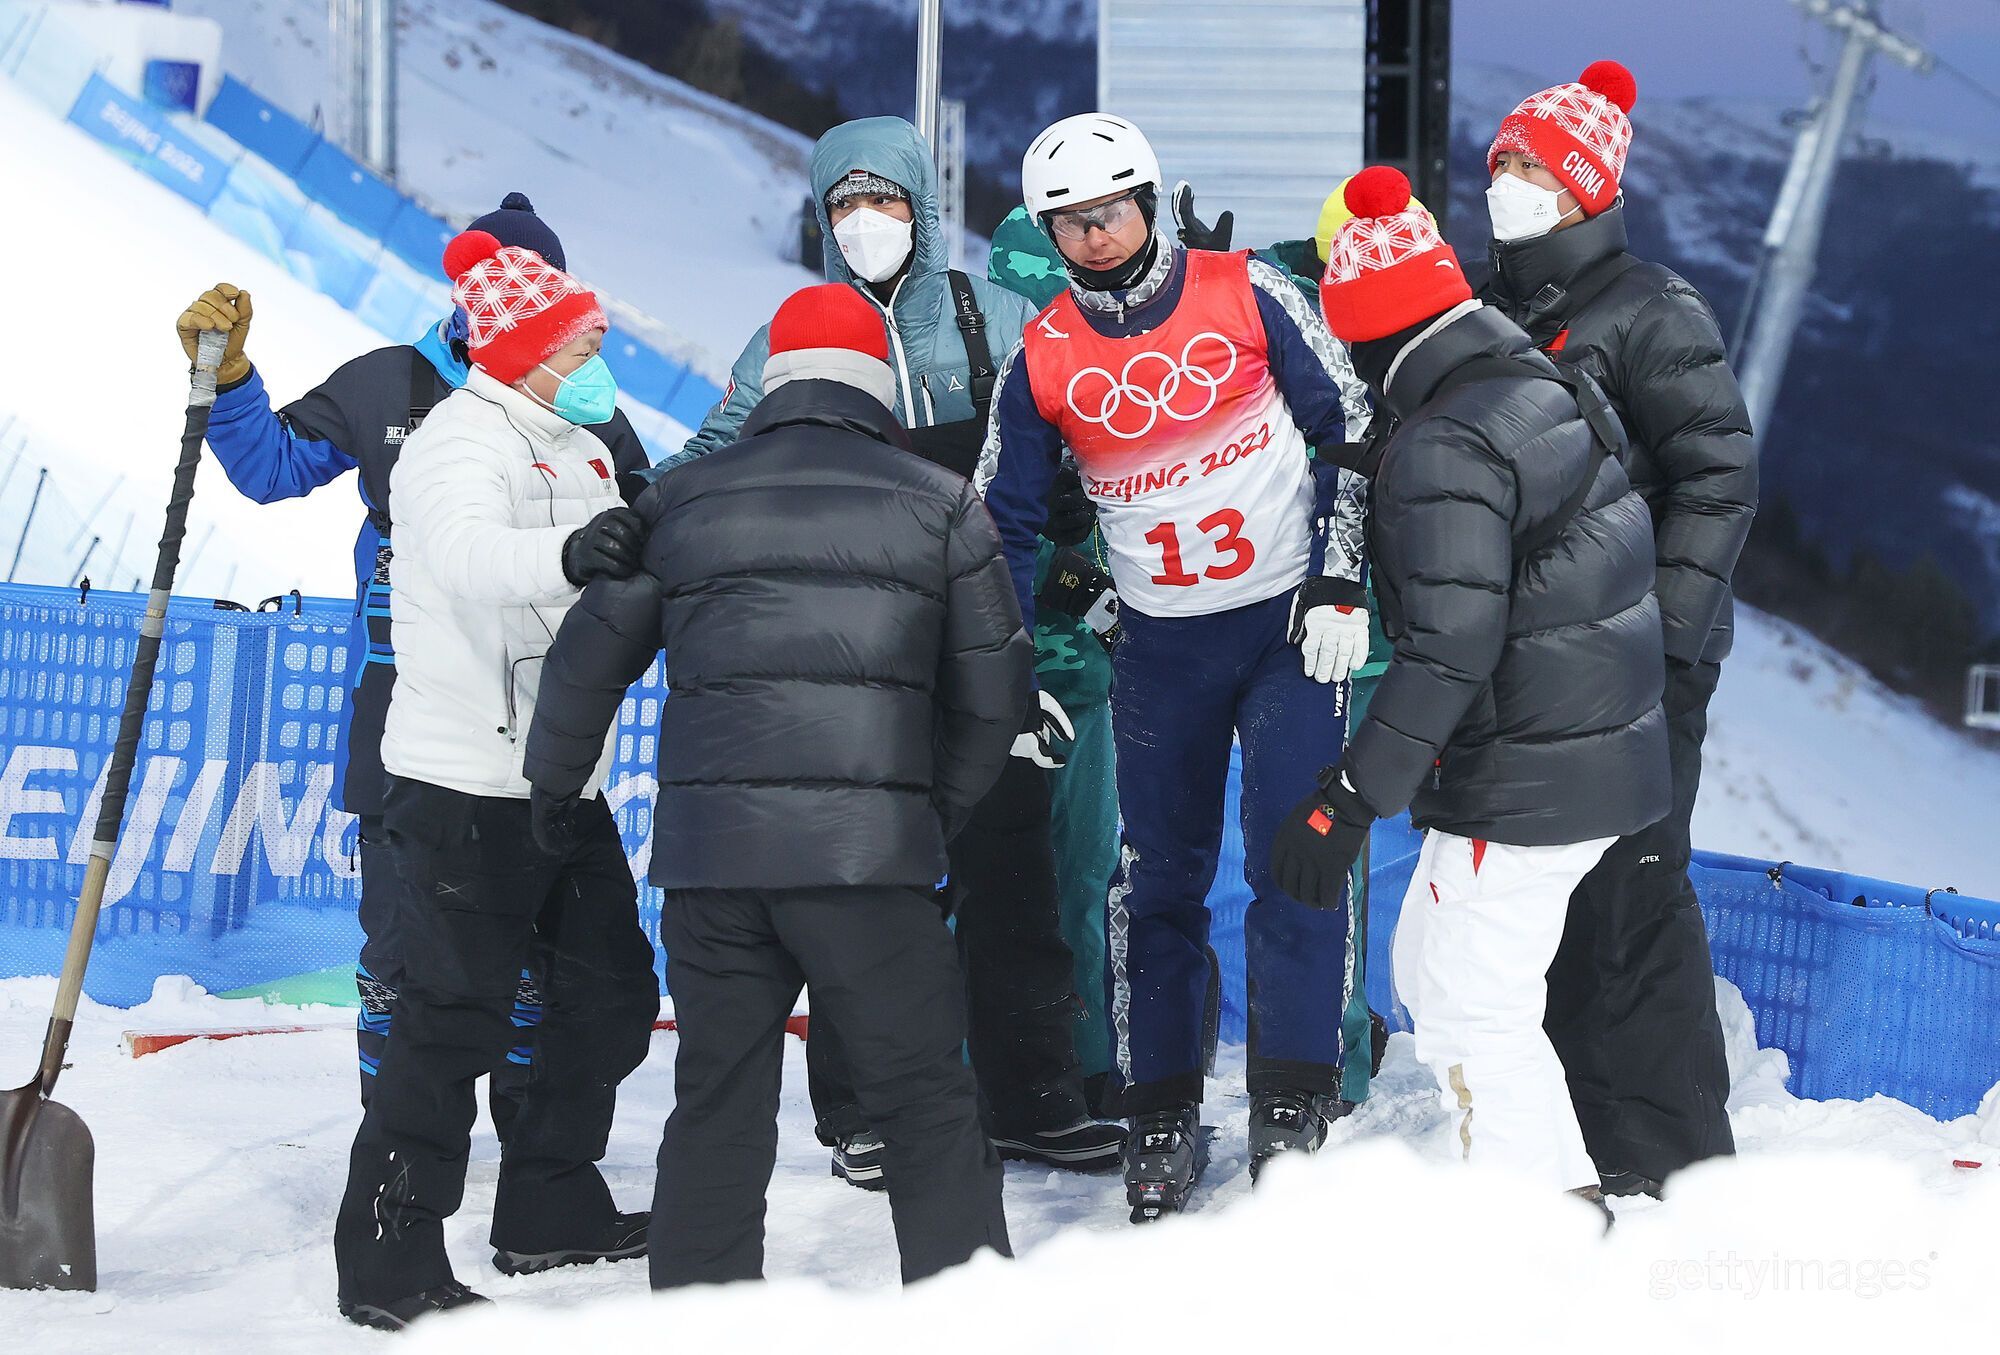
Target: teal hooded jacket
925	346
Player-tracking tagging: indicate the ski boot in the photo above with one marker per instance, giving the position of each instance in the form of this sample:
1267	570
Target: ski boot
1163	1159
402	1312
1085	1146
858	1160
622	1239
1286	1121
1624	1185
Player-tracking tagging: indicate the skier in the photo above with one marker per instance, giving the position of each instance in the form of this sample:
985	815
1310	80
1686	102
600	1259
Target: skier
1632	990
358	418
1520	717
1188	385
506	505
877	189
834	716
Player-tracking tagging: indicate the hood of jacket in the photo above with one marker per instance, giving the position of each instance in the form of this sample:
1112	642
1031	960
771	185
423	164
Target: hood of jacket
891	148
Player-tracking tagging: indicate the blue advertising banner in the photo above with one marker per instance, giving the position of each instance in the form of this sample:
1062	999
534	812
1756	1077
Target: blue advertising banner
128	125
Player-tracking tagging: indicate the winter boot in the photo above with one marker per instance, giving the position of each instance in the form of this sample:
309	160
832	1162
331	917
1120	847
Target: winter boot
1290	1122
1626	1184
623	1239
1086	1146
1163	1159
1593	1196
401	1313
858	1160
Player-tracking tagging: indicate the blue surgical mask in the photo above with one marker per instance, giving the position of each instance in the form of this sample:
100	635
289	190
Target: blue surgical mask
587	395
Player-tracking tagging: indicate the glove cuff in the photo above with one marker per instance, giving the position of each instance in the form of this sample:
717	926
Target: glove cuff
1345	802
1328	590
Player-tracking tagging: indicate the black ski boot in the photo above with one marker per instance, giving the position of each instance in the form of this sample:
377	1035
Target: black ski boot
623	1239
858	1160
1163	1159
1624	1185
1289	1122
1086	1146
401	1313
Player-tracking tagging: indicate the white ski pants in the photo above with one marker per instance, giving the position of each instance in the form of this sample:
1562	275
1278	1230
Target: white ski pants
1479	927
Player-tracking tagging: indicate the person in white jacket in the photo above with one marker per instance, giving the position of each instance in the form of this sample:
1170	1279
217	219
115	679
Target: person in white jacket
505	505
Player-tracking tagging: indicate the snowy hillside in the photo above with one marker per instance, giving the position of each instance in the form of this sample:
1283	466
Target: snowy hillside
97	388
219	1167
1809	759
669	200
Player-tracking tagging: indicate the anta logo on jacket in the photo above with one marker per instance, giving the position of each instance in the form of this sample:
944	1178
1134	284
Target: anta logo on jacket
1199	472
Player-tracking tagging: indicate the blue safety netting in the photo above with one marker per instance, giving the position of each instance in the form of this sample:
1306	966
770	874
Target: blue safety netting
233	868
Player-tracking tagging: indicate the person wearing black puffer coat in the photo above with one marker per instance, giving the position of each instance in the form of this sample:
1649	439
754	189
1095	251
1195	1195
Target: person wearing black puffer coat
846	670
1632	991
1519	719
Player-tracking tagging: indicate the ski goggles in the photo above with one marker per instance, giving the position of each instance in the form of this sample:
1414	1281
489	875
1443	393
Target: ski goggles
1110	217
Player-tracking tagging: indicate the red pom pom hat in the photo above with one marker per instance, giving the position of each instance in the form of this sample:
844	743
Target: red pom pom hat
520	309
1388	268
1580	131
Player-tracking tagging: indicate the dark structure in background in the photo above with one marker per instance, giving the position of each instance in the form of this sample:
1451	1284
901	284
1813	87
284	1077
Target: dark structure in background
1409	95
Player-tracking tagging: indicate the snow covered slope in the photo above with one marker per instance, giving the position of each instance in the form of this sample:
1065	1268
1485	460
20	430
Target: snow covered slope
102	261
1809	759
666	199
219	1167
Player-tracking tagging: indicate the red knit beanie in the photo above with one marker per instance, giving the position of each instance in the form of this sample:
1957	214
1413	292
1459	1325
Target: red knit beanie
1388	267
1578	131
828	333
520	309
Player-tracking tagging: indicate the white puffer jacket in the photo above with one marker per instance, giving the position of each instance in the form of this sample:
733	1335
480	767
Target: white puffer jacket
486	493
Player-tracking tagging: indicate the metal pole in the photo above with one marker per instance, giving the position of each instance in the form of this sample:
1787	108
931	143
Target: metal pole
930	57
1793	263
951	176
26	523
84	563
378	86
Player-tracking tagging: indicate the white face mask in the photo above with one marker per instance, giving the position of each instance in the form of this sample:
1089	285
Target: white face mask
873	243
1521	210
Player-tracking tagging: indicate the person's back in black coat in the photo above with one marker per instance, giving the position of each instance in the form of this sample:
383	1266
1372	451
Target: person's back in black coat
846	665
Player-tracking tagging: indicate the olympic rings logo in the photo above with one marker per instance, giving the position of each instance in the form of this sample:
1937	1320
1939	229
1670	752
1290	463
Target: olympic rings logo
1128	409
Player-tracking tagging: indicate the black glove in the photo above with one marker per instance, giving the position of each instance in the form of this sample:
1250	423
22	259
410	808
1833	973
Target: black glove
1072	515
1195	235
1320	840
606	546
551	818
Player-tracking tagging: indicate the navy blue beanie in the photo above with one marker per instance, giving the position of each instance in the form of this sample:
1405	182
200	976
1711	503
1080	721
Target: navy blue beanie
515	223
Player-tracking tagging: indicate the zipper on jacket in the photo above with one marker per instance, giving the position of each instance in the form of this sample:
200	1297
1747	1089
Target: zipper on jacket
896	346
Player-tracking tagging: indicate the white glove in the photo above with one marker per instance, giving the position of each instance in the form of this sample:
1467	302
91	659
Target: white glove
1332	637
1049	736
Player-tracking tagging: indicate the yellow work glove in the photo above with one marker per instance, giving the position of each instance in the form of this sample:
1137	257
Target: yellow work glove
224	309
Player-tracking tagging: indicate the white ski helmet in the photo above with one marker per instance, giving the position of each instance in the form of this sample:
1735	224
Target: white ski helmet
1091	155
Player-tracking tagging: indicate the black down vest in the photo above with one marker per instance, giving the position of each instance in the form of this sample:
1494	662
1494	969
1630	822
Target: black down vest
846	666
1522	704
1651	342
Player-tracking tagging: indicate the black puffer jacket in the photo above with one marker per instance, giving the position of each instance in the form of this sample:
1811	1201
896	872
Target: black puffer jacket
845	661
1523	701
1652	343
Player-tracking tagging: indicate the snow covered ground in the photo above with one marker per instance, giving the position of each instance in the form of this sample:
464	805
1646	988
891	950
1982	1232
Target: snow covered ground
220	1165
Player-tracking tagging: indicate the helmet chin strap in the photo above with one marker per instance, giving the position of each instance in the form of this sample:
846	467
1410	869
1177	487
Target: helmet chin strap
1121	277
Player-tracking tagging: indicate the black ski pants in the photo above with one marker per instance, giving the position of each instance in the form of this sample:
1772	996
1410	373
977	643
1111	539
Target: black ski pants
1631	1007
478	897
379	973
1021	1003
880	964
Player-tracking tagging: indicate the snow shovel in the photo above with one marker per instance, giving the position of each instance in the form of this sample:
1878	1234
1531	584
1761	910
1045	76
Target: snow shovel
48	1232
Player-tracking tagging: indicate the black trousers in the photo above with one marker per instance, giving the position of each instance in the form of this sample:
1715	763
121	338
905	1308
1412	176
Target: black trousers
1021	1003
379	974
1631	1007
477	898
880	965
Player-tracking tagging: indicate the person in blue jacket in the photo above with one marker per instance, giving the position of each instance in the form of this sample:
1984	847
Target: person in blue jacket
357	420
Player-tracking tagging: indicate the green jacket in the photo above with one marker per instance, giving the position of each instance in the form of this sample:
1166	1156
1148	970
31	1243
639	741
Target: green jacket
925	346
